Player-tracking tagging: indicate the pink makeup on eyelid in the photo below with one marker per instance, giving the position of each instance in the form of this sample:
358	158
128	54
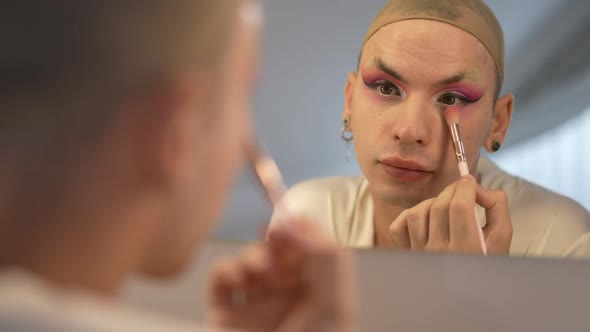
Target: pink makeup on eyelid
374	75
468	91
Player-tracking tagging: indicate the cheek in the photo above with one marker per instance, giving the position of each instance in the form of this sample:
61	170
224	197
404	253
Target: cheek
367	119
475	124
227	141
223	144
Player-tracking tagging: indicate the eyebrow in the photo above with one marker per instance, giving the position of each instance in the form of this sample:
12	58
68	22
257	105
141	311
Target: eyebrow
388	70
378	62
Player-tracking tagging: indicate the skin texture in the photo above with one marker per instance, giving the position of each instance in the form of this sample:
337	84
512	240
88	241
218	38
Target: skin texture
399	115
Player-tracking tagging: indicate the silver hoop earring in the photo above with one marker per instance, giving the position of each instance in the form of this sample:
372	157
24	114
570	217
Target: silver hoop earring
347	137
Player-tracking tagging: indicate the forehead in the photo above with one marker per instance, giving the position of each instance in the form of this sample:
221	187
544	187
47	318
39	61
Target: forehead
430	48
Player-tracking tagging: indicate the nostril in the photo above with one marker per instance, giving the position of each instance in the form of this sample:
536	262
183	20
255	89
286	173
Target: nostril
420	141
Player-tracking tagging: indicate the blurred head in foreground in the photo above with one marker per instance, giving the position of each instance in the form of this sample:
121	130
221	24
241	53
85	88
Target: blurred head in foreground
122	128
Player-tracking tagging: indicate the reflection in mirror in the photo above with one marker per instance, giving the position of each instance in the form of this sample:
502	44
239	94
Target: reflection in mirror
401	187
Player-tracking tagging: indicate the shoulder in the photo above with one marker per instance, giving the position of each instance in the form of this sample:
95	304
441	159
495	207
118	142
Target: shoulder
27	303
536	211
324	200
523	194
564	213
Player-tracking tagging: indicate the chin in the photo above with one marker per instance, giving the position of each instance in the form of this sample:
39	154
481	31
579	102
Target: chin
402	195
400	198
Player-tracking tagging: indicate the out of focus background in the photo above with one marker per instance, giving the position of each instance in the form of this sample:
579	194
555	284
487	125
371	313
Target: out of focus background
311	45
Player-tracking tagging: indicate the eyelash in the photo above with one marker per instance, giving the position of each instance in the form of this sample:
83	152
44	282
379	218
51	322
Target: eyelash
396	92
379	84
462	99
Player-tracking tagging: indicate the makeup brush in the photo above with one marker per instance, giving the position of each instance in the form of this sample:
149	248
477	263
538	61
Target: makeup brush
452	117
270	179
266	171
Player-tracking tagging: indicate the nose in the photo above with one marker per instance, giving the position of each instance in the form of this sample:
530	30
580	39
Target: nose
413	122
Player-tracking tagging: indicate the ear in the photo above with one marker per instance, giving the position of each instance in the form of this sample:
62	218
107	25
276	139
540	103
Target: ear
348	93
501	121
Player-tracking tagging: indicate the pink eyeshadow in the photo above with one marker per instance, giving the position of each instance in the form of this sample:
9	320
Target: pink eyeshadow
470	92
371	76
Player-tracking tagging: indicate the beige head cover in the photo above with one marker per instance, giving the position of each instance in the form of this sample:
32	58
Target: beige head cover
472	16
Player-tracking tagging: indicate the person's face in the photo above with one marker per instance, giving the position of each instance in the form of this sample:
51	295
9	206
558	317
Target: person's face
408	73
209	149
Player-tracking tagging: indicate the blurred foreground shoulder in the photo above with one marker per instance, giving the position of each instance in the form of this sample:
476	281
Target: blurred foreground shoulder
28	303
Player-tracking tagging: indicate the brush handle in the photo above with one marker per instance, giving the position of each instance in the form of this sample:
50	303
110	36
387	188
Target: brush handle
482	240
464	170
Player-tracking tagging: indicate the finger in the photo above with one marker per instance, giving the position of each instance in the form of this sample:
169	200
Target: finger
283	241
462	222
298	242
318	259
225	278
417	219
398	230
287	260
498	223
256	260
439	233
259	277
327	276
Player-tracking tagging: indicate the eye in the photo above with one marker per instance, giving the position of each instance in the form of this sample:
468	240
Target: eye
451	99
448	99
385	88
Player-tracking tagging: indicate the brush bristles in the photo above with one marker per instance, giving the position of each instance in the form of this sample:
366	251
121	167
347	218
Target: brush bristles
451	115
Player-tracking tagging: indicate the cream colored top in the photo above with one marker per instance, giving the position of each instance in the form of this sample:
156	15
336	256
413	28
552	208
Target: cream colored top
29	304
545	223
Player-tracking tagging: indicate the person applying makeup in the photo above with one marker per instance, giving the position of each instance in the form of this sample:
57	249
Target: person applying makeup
123	125
420	58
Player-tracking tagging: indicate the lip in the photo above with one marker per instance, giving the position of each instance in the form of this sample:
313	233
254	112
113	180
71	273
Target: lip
404	169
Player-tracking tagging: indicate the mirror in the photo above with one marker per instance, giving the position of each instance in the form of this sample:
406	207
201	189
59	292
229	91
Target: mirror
311	46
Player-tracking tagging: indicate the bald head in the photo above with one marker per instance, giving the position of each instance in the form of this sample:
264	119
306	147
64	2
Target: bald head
123	124
65	63
45	41
471	16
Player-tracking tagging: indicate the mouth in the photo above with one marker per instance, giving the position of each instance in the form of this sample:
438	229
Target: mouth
405	170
